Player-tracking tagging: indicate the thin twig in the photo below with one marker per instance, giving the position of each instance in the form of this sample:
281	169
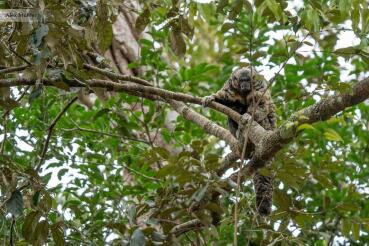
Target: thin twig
139	173
112	75
5	120
246	137
331	238
105	133
13	69
11	240
9	48
182	228
50	130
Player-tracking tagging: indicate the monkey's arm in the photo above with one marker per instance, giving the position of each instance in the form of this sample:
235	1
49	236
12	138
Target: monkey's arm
220	95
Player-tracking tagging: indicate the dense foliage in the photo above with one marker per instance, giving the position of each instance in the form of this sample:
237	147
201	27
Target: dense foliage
104	179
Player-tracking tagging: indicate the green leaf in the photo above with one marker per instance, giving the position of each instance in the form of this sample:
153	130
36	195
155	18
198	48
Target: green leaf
41	232
236	9
356	231
177	42
46	178
62	172
332	135
347	52
166	134
138	238
304	126
186	28
36	198
282	200
335	16
304	220
310	19
323	180
15	204
274	7
348	206
142	20
46	202
166	170
29	225
355	15
345	6
58	234
226	27
36	92
199	194
221	5
101	113
162	152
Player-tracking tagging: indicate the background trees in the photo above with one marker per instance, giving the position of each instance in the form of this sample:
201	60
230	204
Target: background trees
94	166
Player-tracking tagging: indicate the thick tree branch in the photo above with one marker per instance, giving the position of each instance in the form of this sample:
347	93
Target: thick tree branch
326	108
155	94
133	89
164	93
173	99
207	125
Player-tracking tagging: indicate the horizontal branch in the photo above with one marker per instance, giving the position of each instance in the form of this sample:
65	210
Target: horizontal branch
24	81
105	134
117	76
178	96
187	226
153	93
13	69
135	89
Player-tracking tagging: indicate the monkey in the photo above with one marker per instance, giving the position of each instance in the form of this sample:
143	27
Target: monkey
247	92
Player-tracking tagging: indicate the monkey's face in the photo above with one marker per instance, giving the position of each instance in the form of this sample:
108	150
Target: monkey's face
241	80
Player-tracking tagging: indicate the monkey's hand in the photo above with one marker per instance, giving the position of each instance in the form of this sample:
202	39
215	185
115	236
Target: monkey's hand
207	100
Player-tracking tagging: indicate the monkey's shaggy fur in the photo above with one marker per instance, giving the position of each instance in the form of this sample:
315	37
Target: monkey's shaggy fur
247	92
